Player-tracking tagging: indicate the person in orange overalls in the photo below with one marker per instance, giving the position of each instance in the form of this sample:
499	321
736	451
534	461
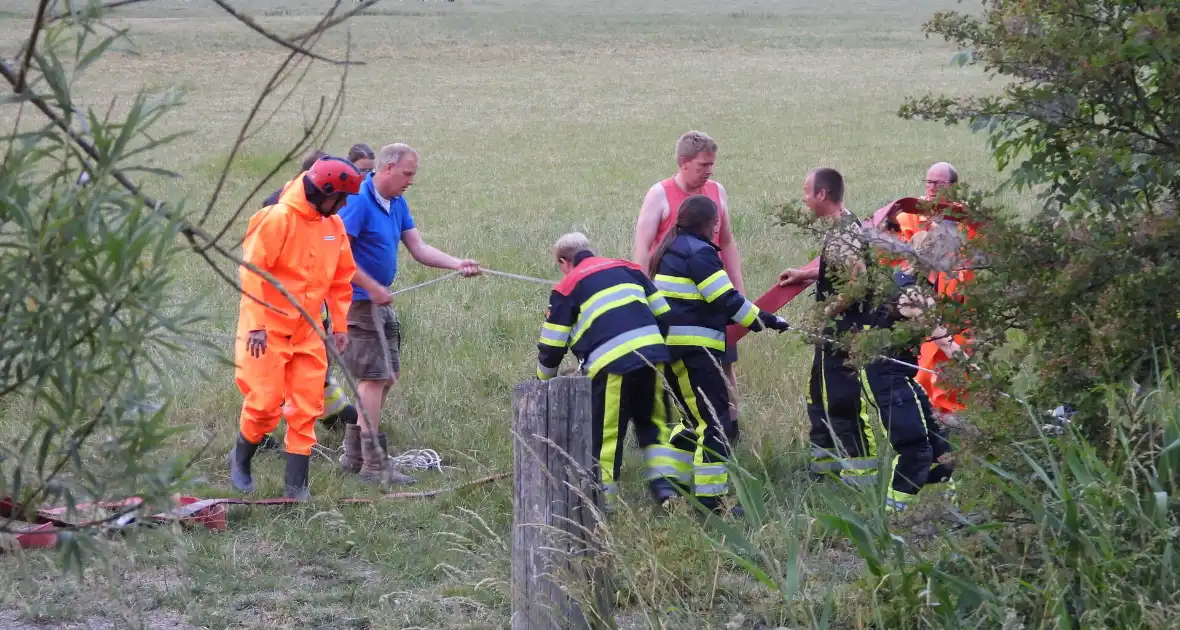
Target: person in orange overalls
911	228
281	363
945	401
934	237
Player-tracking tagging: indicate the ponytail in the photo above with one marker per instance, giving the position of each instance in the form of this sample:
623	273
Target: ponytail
653	265
694	215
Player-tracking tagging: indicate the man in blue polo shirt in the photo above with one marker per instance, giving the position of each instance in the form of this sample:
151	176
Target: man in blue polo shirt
377	219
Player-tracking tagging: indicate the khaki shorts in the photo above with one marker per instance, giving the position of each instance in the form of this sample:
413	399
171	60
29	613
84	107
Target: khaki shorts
365	358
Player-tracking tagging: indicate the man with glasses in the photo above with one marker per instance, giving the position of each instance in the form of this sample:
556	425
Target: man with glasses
939	176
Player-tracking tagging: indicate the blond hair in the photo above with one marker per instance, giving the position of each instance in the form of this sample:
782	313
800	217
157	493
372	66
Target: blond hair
569	245
692	143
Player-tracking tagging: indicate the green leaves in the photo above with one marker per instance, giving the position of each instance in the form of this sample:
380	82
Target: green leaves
89	308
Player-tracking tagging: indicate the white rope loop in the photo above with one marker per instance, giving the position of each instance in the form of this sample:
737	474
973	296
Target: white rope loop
426	458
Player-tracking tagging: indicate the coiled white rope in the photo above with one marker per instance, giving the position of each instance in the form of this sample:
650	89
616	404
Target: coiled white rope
426	458
419	459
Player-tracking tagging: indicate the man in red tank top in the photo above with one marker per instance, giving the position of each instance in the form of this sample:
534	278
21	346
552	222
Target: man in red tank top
695	155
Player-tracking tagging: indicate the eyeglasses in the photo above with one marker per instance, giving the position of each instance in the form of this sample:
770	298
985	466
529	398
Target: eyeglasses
935	182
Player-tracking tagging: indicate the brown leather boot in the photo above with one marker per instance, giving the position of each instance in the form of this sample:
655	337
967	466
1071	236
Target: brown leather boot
376	467
350	459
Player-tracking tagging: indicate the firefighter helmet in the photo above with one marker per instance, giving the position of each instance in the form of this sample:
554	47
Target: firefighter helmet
332	175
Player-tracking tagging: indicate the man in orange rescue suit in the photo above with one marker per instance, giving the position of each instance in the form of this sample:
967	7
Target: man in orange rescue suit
696	153
914	228
280	360
609	314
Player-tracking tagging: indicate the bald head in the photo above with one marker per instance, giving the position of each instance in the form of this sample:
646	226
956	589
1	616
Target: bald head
940	176
942	172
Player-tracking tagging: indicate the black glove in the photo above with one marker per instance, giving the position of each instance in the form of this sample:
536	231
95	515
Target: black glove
773	322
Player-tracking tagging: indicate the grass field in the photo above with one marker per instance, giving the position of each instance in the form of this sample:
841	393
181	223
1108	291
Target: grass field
533	119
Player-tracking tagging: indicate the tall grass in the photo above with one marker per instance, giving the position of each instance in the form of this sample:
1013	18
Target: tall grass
1077	540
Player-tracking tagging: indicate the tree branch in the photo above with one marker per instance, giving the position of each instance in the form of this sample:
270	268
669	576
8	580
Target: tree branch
37	23
242	133
327	24
291	45
200	240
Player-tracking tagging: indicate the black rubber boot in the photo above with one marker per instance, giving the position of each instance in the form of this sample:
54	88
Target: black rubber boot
662	490
296	477
239	464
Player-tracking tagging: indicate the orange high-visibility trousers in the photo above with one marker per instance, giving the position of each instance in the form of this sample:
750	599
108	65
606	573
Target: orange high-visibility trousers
286	382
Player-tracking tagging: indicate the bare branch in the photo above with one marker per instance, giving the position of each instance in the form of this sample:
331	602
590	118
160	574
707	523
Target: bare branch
242	134
37	23
295	48
332	118
200	251
337	20
306	68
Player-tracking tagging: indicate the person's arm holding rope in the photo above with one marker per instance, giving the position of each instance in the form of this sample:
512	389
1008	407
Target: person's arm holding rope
378	293
432	257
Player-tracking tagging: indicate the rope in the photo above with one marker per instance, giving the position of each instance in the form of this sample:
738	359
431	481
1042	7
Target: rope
425	458
424	284
515	276
420	459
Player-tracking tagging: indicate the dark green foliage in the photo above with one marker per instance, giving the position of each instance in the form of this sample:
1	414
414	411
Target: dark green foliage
1090	120
88	301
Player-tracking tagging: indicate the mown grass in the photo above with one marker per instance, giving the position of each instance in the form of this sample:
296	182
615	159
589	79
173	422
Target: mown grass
533	119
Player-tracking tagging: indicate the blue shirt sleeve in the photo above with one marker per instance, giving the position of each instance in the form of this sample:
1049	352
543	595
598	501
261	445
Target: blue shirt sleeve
353	214
407	221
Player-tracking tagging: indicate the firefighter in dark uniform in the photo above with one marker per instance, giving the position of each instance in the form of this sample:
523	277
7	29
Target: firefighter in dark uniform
841	439
686	268
609	315
841	435
902	405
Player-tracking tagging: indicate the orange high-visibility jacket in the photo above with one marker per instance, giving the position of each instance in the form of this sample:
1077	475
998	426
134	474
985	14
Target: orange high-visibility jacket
307	253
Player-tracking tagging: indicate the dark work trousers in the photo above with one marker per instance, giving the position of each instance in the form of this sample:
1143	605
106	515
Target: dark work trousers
702	391
841	441
638	398
906	416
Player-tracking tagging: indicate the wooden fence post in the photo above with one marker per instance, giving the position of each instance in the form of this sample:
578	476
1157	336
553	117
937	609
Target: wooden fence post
553	528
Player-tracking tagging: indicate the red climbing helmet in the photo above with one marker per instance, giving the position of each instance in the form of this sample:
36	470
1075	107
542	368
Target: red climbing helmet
333	175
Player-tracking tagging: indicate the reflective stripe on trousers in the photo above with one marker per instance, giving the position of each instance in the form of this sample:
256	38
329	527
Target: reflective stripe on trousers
635	398
702	391
620	345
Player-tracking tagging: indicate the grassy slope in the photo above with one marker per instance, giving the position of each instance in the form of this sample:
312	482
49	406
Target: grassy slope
533	119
